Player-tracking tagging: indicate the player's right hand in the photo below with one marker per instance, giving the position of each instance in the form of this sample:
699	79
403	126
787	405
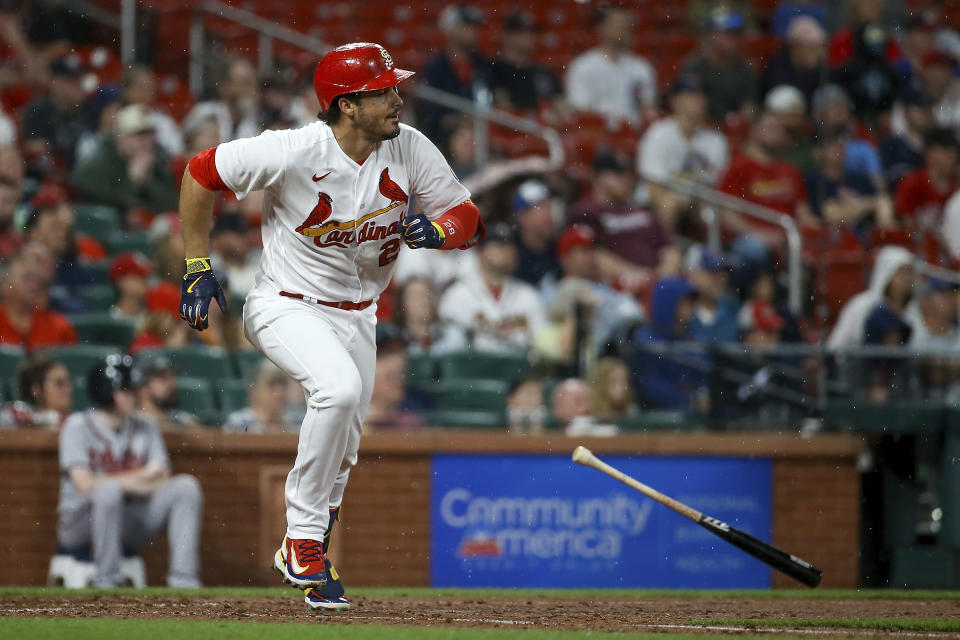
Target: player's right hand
199	287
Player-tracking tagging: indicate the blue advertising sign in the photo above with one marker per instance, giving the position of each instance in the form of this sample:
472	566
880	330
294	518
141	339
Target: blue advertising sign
543	521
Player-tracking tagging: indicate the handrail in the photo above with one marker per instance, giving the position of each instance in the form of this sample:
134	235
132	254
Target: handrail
715	198
270	30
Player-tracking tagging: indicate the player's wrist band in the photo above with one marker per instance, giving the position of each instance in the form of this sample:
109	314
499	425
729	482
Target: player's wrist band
196	265
439	229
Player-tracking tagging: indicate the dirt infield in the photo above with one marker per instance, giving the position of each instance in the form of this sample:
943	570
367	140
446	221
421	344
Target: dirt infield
560	613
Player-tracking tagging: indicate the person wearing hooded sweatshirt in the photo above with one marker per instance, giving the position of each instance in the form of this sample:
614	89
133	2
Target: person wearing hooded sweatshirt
891	284
885	327
669	379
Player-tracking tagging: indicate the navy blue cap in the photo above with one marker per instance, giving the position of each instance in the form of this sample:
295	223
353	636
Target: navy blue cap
723	19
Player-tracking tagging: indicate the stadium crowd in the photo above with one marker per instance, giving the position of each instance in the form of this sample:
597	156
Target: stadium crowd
593	271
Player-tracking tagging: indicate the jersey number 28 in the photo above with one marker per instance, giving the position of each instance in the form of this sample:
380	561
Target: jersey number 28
389	251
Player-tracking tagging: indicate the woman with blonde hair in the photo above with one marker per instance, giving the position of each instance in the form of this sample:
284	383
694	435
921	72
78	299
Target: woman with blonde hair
611	390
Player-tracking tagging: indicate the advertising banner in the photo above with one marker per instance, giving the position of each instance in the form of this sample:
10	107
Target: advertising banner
543	521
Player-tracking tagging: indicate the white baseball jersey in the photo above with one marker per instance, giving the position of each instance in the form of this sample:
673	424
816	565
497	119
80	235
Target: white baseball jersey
503	322
331	227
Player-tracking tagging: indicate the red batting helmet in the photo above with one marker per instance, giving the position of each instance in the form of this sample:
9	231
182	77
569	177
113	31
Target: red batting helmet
359	66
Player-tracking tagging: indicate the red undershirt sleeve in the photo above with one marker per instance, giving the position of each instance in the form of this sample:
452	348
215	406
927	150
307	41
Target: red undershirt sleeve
460	225
203	168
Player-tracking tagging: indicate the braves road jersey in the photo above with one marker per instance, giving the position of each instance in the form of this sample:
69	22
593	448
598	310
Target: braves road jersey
331	227
85	443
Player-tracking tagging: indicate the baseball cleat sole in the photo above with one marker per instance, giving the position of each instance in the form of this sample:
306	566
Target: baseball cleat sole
315	601
280	564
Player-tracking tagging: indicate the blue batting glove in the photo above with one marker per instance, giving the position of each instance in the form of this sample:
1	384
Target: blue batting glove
199	287
420	233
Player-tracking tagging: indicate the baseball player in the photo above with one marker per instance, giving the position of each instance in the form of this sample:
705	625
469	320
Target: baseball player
337	198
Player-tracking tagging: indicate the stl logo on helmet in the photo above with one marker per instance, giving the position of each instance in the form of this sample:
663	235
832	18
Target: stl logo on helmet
364	229
387	58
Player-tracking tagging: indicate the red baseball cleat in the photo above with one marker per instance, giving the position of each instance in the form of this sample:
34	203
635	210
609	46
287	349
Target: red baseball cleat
301	563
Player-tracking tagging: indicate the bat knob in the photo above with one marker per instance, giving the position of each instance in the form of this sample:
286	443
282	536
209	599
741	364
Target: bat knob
581	454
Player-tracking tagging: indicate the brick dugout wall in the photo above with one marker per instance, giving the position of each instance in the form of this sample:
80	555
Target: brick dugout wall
386	514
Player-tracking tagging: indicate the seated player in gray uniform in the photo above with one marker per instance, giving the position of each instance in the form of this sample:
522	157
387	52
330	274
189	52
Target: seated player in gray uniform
116	491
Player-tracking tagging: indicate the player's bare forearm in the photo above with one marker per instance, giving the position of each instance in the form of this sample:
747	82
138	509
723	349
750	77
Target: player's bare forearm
142	481
196	216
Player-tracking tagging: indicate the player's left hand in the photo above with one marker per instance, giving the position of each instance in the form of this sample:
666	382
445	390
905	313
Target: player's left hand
419	232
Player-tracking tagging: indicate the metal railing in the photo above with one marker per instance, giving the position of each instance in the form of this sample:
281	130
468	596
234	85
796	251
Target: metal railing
714	198
270	31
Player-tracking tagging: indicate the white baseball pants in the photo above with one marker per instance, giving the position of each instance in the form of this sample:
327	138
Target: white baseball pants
331	353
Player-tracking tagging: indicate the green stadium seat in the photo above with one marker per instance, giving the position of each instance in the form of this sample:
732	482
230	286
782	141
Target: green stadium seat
80	400
99	297
100	271
232	395
890	418
247	362
421	371
927	567
482	395
121	241
211	363
662	421
101	328
465	419
480	365
195	395
10	359
96	220
80	358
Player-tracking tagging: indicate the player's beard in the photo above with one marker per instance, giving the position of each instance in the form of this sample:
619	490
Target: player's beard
373	128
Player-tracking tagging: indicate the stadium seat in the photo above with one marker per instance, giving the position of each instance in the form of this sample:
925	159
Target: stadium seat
121	241
100	327
247	362
10	359
482	365
195	395
232	395
211	363
485	395
464	419
96	220
80	400
891	418
80	358
99	297
100	271
421	371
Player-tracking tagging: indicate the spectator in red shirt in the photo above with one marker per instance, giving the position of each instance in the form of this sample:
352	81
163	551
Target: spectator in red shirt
24	317
922	194
161	327
631	243
10	237
129	273
756	175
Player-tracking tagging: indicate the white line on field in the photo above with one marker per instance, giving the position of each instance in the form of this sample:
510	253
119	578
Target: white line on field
472	620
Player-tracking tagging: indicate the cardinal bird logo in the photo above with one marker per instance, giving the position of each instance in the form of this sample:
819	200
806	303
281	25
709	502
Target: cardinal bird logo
320	212
390	189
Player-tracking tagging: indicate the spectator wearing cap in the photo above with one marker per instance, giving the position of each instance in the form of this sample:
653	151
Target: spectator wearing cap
162	326
536	233
416	316
923	193
128	170
236	108
25	317
632	243
802	63
917	38
139	84
902	151
231	251
44	395
840	196
932	317
517	81
681	145
729	82
497	311
714	309
129	273
868	77
609	80
459	68
757	175
787	10
790	107
54	122
938	79
391	406
156	387
665	376
11	239
267	412
50	224
832	110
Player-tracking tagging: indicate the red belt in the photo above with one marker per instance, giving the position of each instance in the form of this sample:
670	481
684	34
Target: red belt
346	306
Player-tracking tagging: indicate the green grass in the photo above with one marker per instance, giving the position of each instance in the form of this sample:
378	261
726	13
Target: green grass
116	629
874	624
424	592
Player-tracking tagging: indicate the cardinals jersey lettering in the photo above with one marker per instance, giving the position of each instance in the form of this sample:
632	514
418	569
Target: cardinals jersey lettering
331	227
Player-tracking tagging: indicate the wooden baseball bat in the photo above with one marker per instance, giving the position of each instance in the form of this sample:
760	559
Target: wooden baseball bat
780	560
